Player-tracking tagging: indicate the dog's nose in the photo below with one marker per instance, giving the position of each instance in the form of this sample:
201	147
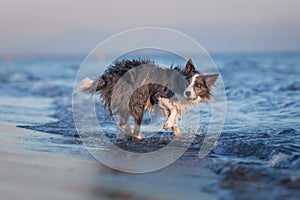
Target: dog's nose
188	93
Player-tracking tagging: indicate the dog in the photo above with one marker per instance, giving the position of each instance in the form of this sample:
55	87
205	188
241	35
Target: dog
130	87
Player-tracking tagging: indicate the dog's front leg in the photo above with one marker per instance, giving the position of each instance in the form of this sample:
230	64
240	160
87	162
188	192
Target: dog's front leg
175	127
173	113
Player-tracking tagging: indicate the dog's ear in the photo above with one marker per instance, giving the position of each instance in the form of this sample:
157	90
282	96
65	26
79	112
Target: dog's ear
210	79
189	67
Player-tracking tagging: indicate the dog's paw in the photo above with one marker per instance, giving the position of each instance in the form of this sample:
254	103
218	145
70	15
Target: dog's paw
139	137
168	125
176	131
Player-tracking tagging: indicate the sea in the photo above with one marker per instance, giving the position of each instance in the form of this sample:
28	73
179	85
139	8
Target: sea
258	152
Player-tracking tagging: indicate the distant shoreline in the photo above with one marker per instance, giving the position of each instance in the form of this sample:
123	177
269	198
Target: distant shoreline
9	57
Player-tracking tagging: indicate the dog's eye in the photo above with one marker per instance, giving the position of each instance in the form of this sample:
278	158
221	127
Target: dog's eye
198	85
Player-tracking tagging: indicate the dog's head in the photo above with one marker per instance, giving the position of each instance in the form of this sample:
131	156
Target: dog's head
199	88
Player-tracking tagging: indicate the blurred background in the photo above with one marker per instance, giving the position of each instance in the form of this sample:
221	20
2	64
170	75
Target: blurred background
34	27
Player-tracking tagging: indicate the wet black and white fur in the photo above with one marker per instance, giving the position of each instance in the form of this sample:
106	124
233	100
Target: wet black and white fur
196	90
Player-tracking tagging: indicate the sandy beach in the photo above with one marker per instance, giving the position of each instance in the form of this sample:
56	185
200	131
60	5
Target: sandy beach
27	173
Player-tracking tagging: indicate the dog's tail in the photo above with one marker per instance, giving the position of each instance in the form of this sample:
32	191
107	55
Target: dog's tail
87	85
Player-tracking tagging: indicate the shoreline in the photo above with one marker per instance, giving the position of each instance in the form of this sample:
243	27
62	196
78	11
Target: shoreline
30	174
27	173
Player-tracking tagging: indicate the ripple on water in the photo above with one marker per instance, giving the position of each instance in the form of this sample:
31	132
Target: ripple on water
26	110
258	151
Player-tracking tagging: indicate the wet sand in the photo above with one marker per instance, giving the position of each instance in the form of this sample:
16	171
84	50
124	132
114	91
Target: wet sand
31	167
26	174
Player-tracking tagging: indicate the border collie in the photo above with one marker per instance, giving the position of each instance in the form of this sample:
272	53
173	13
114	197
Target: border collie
125	91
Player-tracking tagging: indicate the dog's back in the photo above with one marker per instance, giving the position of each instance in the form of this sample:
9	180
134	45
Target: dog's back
105	84
141	84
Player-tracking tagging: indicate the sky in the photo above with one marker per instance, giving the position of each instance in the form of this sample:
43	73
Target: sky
76	26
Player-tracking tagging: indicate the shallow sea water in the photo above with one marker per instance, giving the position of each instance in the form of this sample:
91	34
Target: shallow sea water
258	153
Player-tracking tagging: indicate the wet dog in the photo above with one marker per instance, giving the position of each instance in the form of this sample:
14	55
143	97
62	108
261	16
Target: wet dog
130	87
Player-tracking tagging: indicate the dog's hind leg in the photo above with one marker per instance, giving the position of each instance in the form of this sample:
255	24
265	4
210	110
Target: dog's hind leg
137	113
137	127
123	123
